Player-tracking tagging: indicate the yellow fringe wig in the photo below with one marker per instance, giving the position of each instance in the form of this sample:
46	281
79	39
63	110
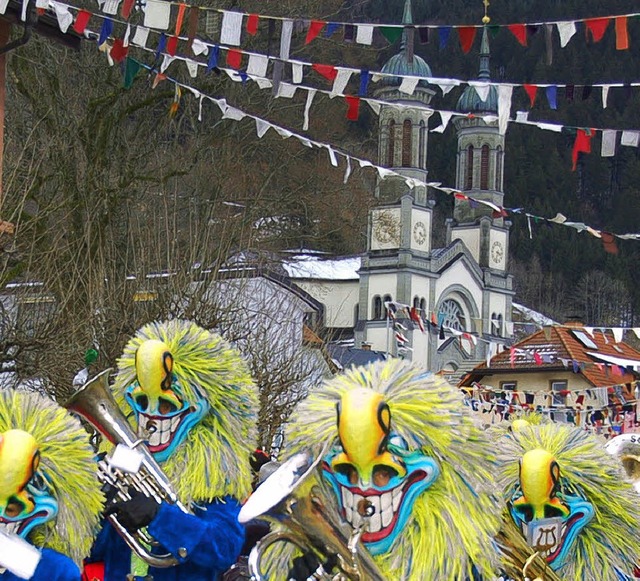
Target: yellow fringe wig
67	462
213	461
610	539
452	522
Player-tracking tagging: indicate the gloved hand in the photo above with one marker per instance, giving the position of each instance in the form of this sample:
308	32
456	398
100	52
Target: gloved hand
136	513
306	565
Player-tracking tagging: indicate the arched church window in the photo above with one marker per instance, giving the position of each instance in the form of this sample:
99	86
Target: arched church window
468	180
499	161
423	307
406	143
416	302
391	149
452	315
377	308
422	152
484	168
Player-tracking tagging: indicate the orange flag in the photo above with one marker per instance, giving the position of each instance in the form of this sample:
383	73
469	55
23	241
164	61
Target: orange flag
622	38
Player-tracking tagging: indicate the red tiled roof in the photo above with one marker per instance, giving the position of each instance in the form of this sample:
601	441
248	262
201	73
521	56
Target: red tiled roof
556	347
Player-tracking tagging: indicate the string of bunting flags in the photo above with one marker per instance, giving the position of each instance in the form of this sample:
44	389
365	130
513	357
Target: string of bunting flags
340	76
133	66
165	15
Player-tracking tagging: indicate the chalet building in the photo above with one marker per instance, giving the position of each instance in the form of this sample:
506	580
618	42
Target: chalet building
567	373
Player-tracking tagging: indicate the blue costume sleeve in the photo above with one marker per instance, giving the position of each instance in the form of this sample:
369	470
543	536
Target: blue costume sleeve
212	538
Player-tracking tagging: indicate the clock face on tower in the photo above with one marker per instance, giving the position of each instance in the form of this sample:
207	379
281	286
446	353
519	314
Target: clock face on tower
419	233
497	252
386	228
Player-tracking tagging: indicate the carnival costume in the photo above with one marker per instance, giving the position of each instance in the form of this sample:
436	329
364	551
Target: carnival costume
402	442
49	493
570	501
193	398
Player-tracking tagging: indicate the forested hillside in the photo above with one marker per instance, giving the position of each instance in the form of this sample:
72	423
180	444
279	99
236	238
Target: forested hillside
109	176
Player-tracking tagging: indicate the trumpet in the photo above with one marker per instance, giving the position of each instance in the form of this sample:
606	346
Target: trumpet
136	470
296	496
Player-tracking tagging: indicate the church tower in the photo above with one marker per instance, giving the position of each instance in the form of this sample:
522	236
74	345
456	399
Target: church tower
480	175
396	265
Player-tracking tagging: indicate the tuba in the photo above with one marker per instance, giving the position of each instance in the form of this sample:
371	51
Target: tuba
296	496
131	466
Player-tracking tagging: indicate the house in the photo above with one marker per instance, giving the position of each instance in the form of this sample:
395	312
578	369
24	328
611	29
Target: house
567	372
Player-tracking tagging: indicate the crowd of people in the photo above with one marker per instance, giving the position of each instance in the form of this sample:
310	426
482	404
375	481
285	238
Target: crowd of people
403	479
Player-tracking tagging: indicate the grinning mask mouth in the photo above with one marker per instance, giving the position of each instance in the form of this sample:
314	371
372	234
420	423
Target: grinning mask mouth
25	498
549	513
374	476
164	417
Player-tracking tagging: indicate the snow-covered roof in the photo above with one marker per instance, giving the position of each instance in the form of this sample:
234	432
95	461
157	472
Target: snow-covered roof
312	267
621	361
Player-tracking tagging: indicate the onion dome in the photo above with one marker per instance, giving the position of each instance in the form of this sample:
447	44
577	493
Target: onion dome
470	101
405	62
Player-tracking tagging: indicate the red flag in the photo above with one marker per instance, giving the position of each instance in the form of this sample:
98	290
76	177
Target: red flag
353	111
609	242
327	71
81	21
466	34
537	358
252	24
597	27
127	6
434	321
118	51
314	30
172	45
415	316
520	32
234	58
582	144
531	91
512	357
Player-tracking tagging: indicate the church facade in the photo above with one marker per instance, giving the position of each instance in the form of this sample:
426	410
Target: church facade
462	292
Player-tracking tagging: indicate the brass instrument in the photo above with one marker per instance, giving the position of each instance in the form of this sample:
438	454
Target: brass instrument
296	496
95	403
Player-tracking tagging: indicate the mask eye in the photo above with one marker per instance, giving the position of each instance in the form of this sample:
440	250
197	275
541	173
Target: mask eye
166	407
551	511
349	471
142	401
14	507
382	475
525	511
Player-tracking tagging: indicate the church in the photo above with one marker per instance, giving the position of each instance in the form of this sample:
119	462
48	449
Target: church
445	308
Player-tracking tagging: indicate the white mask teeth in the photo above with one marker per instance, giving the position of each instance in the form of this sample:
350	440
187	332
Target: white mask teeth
163	428
385	506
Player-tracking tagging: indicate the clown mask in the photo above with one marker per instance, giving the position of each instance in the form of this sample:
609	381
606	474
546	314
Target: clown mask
164	415
25	499
549	514
374	476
